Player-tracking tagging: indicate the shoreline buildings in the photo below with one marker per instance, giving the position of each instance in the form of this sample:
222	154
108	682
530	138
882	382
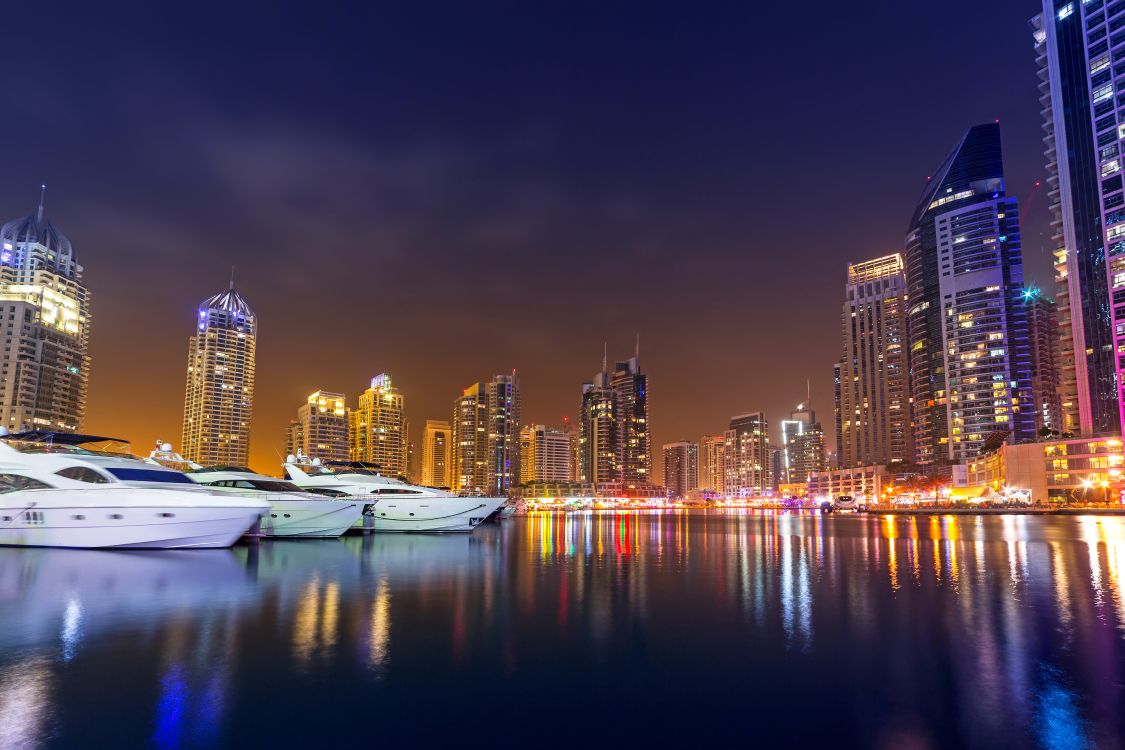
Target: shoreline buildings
545	455
746	456
485	437
219	397
45	369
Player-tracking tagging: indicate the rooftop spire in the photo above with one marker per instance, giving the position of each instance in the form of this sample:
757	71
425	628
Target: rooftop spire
232	278
637	349
42	200
605	355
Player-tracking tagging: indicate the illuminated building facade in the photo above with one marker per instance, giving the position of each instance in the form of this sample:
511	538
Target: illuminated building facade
545	455
437	454
746	456
872	378
970	361
320	429
1075	45
711	468
219	397
470	441
1074	470
503	433
805	454
614	429
1043	338
377	430
45	368
865	483
681	468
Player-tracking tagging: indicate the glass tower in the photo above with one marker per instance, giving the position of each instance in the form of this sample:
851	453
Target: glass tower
1074	45
970	360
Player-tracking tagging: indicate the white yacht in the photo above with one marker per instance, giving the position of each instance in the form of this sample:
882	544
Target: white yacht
293	512
54	493
393	505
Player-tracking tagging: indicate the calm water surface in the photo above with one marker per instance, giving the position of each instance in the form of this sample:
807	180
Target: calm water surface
769	630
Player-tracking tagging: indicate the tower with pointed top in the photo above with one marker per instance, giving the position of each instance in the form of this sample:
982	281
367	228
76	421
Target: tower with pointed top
220	381
44	368
970	360
614	429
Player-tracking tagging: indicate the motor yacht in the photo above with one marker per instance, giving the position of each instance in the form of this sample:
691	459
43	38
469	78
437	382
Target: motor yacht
54	493
393	505
293	512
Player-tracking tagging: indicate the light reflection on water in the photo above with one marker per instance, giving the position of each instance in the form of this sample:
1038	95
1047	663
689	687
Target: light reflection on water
790	629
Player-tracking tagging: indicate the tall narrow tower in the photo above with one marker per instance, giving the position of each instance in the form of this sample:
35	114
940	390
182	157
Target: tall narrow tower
377	431
1076	46
45	362
220	381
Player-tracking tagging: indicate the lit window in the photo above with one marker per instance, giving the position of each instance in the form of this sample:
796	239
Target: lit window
1103	93
1110	167
1066	11
1100	64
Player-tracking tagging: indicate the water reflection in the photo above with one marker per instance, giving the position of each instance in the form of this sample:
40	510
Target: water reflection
892	630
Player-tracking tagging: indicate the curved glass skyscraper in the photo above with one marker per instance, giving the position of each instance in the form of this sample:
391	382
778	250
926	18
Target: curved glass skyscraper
970	362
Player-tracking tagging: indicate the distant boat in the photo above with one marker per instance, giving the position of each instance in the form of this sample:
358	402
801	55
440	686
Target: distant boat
392	505
845	503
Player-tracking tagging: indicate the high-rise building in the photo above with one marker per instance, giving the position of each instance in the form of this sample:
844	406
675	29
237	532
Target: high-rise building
681	468
545	455
614	426
746	456
800	419
711	469
45	368
970	359
1074	45
470	441
437	454
1043	335
503	433
321	428
377	429
574	434
220	381
872	377
806	454
631	388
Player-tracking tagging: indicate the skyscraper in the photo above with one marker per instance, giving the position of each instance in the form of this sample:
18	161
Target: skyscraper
470	440
1073	44
377	427
321	428
437	454
872	382
711	469
681	468
503	433
1043	335
746	456
45	367
220	381
614	426
970	361
544	455
806	454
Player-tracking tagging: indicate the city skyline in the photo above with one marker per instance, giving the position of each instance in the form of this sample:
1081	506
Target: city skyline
166	231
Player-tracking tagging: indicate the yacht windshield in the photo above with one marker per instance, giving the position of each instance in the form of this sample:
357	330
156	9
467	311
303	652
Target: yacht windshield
148	475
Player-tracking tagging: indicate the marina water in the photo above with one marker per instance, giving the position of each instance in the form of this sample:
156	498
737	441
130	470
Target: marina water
668	628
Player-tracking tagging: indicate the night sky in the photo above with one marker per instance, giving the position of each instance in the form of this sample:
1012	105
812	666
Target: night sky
449	191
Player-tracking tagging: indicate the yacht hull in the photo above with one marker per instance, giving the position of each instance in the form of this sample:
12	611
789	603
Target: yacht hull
311	519
446	515
138	528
